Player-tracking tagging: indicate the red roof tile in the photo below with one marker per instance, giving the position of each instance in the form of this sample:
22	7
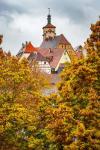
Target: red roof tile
29	48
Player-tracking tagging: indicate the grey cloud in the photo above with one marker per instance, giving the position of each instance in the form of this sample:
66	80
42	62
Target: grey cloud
79	13
75	10
22	6
10	8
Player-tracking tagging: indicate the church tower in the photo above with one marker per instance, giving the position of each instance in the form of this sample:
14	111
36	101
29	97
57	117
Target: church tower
49	30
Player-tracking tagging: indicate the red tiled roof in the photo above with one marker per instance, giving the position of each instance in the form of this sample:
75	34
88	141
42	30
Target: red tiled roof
49	26
29	48
56	54
63	40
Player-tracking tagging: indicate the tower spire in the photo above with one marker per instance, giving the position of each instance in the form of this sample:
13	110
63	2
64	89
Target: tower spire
49	10
49	29
49	17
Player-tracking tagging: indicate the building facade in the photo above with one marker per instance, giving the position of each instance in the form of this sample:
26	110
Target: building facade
53	52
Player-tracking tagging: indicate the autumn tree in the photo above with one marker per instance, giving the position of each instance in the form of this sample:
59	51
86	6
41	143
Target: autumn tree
79	89
20	93
57	121
18	81
70	120
93	43
67	121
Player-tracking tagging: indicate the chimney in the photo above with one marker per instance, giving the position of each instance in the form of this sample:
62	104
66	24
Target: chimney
26	43
23	45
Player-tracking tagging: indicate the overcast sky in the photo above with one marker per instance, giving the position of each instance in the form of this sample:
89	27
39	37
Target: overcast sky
22	20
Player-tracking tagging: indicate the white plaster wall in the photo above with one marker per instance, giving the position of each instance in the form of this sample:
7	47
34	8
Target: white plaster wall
44	67
65	58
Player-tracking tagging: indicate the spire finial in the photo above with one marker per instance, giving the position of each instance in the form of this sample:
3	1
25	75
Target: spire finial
49	17
49	10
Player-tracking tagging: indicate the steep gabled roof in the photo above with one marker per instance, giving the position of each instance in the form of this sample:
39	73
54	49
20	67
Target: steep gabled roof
56	57
29	48
36	56
63	40
53	43
40	57
52	55
26	48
